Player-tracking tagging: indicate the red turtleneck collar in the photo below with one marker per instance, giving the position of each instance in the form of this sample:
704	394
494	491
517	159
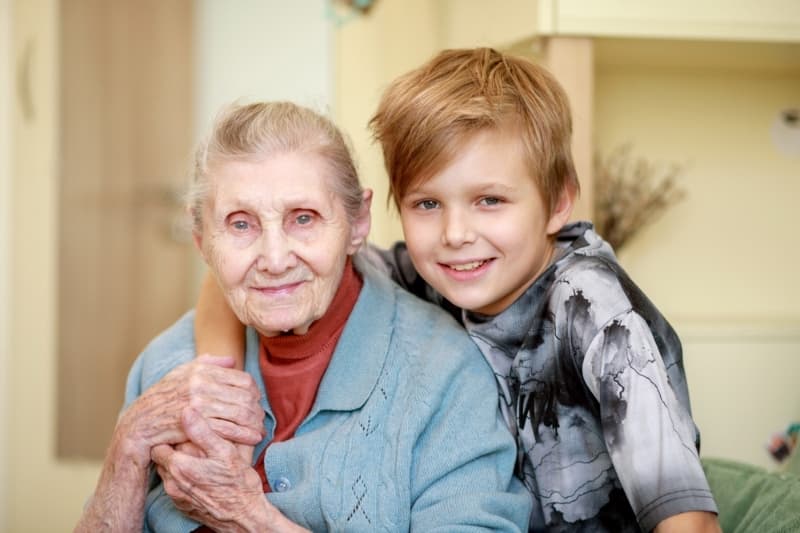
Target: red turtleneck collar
293	365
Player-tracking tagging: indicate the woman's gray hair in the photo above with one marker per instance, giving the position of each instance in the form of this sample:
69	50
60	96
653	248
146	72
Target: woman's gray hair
253	132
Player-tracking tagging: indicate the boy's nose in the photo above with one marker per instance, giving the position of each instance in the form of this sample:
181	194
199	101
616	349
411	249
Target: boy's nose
276	255
457	230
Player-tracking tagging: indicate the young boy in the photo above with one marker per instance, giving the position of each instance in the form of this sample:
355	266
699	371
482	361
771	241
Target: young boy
590	374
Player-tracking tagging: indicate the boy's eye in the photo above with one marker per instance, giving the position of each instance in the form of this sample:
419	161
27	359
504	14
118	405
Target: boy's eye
427	204
490	200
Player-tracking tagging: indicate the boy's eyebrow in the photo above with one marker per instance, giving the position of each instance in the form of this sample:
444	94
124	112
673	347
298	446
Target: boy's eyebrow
483	188
415	189
494	186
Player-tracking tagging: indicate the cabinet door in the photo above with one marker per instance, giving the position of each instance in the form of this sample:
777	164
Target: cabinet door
125	138
763	20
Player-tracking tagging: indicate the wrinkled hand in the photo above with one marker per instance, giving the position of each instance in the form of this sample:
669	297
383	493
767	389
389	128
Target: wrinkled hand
192	449
227	398
211	481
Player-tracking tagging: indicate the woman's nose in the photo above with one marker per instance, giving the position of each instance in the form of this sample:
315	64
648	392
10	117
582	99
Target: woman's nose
457	229
276	255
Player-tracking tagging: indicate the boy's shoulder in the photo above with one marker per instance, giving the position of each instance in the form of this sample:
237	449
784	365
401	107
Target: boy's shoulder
596	275
589	281
588	271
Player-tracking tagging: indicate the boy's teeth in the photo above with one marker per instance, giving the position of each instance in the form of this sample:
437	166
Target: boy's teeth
467	266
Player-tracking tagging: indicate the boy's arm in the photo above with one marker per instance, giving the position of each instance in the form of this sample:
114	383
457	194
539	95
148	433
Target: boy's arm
695	521
649	433
217	330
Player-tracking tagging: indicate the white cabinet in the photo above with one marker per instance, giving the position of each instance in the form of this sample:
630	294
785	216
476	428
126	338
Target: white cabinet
746	20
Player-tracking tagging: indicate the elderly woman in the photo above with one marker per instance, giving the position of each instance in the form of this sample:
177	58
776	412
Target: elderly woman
376	404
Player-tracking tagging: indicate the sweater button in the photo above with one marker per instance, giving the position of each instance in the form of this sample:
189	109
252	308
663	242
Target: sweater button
282	484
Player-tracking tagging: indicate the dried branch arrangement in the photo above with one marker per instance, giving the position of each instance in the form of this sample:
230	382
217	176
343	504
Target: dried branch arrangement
630	193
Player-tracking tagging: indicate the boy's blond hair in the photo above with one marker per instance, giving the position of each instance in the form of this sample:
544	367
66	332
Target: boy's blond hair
426	115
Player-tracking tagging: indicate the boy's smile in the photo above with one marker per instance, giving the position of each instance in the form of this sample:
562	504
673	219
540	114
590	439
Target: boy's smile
478	231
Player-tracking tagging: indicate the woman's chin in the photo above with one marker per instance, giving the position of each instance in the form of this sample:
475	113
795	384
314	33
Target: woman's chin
281	327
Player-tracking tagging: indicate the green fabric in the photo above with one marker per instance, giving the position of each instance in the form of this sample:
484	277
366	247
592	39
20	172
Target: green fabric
752	500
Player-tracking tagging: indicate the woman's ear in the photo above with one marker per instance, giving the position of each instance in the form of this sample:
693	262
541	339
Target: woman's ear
197	235
562	210
361	224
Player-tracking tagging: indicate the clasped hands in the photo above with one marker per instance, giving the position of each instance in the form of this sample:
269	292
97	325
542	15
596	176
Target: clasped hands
199	425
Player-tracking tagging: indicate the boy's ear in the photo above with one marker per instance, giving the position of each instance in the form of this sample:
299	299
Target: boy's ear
562	210
362	222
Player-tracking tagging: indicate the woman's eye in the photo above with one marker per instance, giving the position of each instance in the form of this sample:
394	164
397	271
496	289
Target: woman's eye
490	200
240	225
428	204
303	219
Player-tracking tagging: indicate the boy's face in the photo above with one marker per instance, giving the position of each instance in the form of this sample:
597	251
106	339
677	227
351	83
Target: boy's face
479	231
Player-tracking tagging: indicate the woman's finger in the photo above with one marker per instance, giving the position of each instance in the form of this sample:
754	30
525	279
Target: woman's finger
200	433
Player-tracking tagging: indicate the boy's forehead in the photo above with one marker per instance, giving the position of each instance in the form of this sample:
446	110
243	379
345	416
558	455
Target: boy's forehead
448	146
477	171
455	144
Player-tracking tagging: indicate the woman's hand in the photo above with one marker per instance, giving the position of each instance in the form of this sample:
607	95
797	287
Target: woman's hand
214	483
227	398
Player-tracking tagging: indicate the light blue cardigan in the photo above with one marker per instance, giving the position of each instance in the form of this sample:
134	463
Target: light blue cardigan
405	434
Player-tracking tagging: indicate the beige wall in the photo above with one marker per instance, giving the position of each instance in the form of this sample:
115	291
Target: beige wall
722	264
5	250
31	370
255	51
715	256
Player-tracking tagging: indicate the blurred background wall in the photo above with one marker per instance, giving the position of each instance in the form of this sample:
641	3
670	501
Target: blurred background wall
701	86
5	247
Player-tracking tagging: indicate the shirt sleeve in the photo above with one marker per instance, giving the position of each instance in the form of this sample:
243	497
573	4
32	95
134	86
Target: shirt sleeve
650	435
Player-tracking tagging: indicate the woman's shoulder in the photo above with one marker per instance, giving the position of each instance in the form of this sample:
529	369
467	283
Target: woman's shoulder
431	341
419	321
170	348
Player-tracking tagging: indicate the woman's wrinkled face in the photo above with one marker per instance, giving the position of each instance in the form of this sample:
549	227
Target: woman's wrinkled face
277	237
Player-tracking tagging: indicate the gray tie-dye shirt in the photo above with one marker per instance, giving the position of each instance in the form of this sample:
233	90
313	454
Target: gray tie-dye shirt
592	384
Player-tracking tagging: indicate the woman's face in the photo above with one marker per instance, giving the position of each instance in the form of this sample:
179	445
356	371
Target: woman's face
277	237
